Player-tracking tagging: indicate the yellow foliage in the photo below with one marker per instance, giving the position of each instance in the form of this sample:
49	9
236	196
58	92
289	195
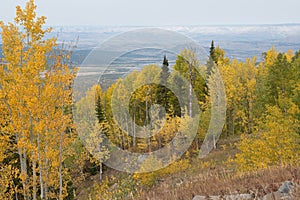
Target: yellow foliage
119	189
275	143
37	101
148	179
271	56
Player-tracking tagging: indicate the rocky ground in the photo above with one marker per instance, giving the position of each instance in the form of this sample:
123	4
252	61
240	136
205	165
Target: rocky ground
289	190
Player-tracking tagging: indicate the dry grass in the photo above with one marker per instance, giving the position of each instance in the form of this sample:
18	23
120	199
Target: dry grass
220	183
212	176
296	193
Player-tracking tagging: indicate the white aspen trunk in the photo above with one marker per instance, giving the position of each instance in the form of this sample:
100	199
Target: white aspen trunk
46	170
34	177
127	129
23	171
149	139
46	175
100	170
190	92
134	134
40	166
60	167
214	141
23	162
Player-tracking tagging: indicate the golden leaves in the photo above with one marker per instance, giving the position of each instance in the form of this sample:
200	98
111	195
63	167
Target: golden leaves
274	144
36	106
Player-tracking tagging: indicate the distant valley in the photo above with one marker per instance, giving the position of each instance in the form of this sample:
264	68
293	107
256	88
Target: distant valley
239	41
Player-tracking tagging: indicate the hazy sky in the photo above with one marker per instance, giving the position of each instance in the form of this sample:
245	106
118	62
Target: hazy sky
160	12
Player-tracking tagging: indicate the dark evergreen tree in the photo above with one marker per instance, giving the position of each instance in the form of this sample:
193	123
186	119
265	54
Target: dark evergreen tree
162	92
165	62
99	110
212	60
212	52
165	73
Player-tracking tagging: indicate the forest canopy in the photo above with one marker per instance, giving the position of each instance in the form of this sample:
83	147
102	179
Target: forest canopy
42	156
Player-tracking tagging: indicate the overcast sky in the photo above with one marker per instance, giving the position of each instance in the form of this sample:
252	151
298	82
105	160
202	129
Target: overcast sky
160	12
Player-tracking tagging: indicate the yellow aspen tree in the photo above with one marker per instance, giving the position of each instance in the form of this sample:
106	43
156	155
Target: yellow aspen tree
36	97
90	128
57	117
145	95
275	142
6	168
246	83
95	145
25	52
240	82
270	56
228	74
121	112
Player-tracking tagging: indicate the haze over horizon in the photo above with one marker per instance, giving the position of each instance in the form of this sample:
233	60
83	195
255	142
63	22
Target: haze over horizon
157	13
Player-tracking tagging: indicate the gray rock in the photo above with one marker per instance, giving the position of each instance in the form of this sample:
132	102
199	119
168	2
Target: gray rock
283	192
286	187
198	197
225	197
272	196
238	196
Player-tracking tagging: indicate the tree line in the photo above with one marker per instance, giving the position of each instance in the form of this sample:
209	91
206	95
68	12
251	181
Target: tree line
41	155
